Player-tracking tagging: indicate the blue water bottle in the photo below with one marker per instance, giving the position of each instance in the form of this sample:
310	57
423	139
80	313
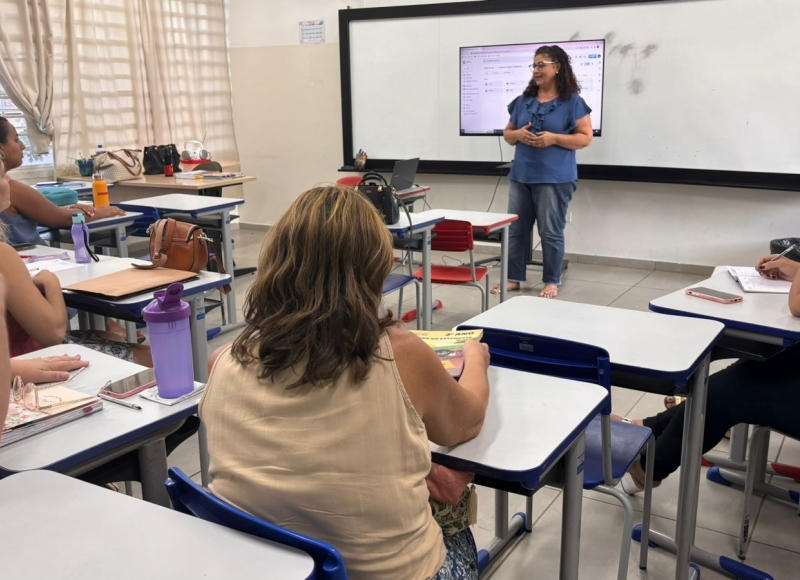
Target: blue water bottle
80	235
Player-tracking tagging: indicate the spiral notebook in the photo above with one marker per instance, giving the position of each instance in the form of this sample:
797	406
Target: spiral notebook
751	281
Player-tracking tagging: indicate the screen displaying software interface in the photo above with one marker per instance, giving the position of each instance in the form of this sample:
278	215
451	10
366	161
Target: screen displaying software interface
492	76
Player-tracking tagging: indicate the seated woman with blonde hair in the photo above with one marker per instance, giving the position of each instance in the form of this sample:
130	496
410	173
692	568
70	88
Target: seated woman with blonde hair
320	413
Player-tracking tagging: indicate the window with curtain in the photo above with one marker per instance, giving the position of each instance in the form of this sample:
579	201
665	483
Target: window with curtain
15	117
132	73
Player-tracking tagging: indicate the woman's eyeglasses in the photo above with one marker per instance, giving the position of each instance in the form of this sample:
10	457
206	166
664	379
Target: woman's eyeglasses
540	65
25	394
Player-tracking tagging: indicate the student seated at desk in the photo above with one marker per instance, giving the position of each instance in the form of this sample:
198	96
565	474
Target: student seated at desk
757	393
319	414
28	208
35	311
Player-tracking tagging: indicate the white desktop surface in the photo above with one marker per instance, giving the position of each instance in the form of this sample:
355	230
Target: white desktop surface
111	265
640	340
53	526
182	202
419	220
529	418
478	219
756	312
128	217
84	434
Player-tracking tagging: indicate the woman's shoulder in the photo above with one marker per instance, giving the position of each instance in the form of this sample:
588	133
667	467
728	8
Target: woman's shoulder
518	100
403	340
7	252
576	100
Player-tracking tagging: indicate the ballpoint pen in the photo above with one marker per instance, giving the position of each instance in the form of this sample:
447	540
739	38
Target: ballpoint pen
781	255
120	402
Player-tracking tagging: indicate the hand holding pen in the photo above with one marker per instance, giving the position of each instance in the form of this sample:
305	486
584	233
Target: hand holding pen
776	266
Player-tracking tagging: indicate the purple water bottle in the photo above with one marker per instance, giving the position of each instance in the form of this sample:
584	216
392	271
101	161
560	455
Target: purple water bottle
167	319
79	237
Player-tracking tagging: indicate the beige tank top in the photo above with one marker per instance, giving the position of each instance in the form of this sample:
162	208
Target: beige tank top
345	464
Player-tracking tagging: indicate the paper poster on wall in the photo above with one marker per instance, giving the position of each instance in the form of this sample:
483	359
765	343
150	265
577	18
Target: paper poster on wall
312	32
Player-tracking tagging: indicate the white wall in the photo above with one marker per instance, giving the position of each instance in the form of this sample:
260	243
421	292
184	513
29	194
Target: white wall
287	113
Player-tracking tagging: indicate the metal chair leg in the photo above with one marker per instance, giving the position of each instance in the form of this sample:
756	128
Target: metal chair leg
418	289
756	471
400	304
648	499
529	513
627	528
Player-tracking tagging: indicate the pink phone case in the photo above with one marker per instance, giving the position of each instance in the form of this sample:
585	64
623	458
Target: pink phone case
129	393
691	292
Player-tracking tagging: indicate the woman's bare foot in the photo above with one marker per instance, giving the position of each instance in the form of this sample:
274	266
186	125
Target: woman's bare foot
637	474
638	422
116	329
512	285
549	291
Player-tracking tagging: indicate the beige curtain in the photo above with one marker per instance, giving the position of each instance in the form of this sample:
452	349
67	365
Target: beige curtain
132	73
26	65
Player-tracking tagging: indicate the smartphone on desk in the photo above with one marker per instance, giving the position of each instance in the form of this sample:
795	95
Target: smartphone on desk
23	247
713	295
129	386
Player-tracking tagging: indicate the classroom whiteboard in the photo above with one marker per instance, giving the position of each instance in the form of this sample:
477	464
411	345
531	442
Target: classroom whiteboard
697	84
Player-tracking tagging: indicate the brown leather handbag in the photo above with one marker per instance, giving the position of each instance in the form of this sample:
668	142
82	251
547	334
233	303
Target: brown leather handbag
180	246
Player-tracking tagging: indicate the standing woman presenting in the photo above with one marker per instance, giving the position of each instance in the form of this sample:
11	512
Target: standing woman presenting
549	122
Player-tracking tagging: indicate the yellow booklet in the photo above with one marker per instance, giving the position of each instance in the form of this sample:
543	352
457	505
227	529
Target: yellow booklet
449	346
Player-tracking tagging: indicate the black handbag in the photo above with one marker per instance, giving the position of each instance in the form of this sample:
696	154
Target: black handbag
781	245
154	156
382	195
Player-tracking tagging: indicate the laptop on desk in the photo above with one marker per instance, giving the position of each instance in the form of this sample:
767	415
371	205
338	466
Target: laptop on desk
403	174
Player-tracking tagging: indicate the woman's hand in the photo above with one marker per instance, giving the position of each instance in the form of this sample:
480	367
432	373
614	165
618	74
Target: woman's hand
47	282
446	485
543	139
524	135
105	212
476	354
87	210
49	369
780	269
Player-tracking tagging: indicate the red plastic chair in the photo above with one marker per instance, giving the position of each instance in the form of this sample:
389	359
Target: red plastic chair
456	236
348	180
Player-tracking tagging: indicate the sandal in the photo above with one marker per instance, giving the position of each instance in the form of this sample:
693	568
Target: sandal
512	286
672	401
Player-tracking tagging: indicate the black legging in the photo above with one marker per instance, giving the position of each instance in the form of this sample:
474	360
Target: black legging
758	393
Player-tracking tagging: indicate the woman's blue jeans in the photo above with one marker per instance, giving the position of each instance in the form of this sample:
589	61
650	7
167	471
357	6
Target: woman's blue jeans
544	204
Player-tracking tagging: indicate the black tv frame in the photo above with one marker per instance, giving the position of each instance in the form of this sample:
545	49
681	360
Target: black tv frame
672	175
596	133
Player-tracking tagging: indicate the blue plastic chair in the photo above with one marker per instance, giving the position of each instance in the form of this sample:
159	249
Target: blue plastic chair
189	498
396	282
611	446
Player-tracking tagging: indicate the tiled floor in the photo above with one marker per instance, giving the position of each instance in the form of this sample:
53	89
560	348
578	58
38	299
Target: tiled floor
776	540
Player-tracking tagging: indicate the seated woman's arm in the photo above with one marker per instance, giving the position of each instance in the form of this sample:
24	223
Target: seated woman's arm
794	295
49	369
453	411
37	303
785	269
5	366
33	205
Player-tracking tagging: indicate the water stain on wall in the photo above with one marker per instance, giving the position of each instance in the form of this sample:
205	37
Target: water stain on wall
630	52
